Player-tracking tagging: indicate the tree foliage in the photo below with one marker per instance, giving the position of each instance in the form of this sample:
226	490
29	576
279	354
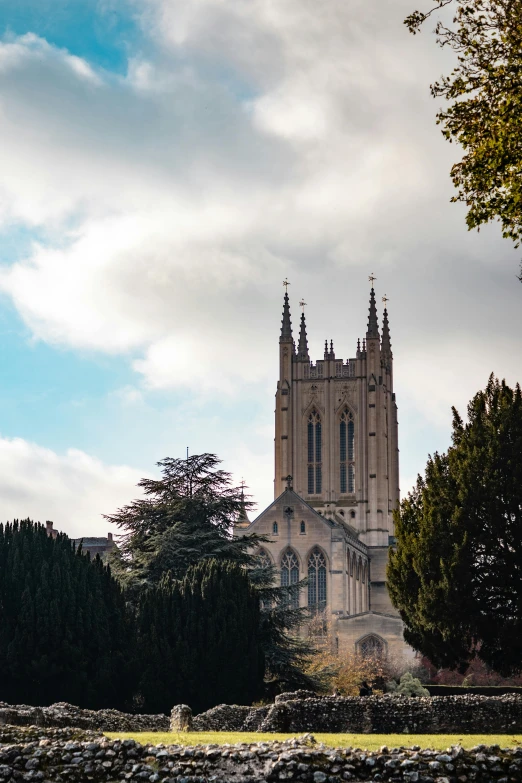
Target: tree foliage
485	92
456	575
187	517
198	640
64	633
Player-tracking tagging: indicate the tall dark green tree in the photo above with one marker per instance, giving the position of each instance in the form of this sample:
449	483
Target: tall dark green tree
484	93
186	517
456	575
199	639
64	632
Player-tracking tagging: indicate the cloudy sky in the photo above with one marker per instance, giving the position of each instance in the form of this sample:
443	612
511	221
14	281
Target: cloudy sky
164	165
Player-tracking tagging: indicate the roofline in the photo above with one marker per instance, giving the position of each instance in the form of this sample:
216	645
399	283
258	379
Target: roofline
355	542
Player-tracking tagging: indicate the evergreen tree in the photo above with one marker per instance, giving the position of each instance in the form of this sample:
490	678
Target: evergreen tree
198	639
187	517
64	633
456	575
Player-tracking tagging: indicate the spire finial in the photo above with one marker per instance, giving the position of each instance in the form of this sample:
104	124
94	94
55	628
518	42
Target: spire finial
302	348
286	324
373	326
243	520
386	342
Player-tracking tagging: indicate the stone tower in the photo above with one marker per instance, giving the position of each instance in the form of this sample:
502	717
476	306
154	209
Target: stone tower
336	428
336	483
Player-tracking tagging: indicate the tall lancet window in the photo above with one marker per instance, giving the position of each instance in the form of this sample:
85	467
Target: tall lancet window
316	580
290	575
315	455
346	452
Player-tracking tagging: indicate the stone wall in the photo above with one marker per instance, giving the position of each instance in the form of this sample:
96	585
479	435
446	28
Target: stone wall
50	759
374	714
63	714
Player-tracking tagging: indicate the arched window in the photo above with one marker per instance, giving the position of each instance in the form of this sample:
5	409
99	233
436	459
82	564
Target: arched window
290	574
371	646
317	580
315	456
303	527
275	529
263	559
346	452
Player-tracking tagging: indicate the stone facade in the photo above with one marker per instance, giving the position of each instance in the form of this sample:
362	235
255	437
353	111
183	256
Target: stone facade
337	483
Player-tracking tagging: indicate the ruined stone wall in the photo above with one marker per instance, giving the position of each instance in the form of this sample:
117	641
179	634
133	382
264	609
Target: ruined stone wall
374	714
63	714
48	757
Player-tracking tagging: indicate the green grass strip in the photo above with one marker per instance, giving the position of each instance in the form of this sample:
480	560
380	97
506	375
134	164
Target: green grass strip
362	741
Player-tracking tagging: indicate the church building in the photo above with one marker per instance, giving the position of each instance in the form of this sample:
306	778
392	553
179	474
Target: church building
336	483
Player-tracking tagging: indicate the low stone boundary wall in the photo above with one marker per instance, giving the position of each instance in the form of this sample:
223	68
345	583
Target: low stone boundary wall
63	714
266	762
373	714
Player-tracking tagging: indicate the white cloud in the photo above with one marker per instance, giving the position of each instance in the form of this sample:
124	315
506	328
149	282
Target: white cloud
73	490
256	140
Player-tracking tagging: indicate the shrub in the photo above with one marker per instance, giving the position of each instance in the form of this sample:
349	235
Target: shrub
408	686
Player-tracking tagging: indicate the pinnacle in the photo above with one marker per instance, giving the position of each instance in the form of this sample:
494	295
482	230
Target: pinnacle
386	342
373	326
302	350
286	323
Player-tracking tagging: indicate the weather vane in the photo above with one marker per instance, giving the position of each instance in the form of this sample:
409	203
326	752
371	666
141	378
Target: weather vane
302	304
286	284
372	279
385	300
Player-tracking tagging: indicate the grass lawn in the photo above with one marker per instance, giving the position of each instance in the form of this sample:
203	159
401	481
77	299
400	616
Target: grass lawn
363	741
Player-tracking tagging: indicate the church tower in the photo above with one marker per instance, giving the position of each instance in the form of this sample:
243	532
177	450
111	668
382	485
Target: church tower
336	483
336	428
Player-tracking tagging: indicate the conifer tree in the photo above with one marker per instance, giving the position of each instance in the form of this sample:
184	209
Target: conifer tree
186	518
64	634
456	575
198	639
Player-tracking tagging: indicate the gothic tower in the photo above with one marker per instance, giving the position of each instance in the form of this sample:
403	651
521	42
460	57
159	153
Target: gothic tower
336	428
336	482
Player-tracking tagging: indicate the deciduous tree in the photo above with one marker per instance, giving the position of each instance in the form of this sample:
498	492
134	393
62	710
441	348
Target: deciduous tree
485	95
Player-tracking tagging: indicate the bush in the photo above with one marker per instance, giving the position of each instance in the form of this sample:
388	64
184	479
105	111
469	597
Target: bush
408	686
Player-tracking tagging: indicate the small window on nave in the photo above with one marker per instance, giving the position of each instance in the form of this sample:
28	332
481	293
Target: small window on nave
275	529
303	527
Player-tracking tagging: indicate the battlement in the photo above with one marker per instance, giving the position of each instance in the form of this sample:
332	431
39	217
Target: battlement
341	369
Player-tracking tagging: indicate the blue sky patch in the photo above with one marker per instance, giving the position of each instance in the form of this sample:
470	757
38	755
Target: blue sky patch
101	32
